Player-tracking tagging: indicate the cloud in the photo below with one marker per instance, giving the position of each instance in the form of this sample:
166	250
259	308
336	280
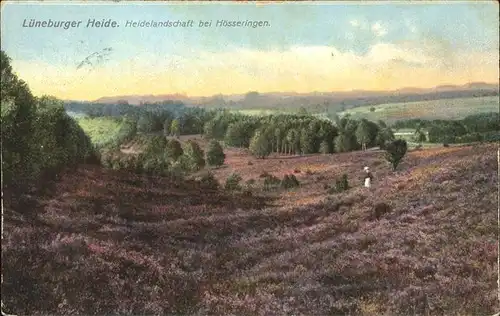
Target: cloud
410	25
301	68
361	24
378	29
354	23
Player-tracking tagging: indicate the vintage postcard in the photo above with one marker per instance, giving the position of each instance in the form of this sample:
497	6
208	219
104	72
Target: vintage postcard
250	158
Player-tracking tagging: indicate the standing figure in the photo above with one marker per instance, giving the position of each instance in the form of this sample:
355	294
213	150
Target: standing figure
368	177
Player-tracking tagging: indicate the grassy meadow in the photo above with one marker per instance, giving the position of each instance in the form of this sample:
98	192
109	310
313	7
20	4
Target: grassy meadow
448	109
101	129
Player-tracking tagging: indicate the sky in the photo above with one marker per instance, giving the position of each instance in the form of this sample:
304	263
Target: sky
306	47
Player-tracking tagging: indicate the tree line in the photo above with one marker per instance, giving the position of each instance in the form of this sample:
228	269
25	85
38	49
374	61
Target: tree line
473	128
170	117
38	138
292	134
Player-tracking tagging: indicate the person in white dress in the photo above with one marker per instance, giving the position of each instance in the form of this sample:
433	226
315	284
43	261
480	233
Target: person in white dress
368	177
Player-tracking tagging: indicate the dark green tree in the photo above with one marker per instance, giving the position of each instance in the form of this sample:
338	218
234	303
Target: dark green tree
175	128
259	145
395	151
174	150
215	154
363	134
194	156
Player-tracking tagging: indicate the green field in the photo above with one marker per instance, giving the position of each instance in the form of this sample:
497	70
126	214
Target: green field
258	112
450	109
100	129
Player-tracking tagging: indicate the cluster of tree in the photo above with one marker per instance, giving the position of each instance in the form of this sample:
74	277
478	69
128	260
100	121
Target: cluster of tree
478	127
295	133
38	137
165	157
169	117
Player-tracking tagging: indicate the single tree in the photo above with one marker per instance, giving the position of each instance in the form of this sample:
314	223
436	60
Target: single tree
233	182
215	154
145	124
325	147
175	128
166	127
194	156
395	151
174	149
420	136
259	145
363	134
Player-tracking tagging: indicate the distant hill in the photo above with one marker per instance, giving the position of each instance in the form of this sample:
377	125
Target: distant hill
318	101
137	99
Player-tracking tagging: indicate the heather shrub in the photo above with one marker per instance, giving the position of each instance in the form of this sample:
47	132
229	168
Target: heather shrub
289	181
264	174
117	163
249	184
296	171
175	172
208	181
233	182
342	184
380	209
271	183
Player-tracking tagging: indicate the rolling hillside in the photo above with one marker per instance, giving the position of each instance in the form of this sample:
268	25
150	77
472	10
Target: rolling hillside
447	109
111	242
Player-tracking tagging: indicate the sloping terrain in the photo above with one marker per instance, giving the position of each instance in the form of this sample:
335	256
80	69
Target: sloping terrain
108	242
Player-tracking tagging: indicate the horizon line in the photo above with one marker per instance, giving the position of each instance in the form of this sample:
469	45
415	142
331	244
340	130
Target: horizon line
185	95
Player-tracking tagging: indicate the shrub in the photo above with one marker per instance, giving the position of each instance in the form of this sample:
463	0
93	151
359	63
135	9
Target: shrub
264	174
233	182
380	209
174	149
395	151
340	185
309	172
250	163
215	154
446	145
296	171
271	182
289	181
175	172
208	181
157	145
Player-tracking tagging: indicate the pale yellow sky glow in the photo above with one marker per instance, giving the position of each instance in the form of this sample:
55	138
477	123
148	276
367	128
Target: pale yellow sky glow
305	48
300	69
